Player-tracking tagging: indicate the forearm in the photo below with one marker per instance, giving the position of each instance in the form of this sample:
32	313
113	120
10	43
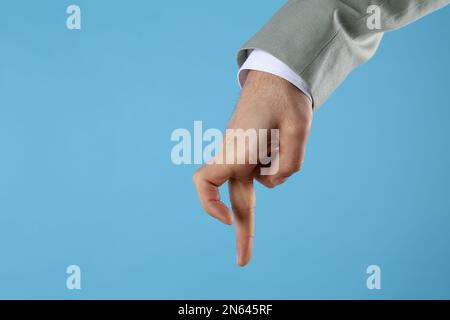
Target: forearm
324	40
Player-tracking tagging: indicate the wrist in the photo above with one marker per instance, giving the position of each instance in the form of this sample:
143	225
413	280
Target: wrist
268	87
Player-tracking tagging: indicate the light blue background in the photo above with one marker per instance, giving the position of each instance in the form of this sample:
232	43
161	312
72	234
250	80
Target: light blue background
86	176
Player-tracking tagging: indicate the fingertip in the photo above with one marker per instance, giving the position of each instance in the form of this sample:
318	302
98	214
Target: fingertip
228	221
223	214
230	217
244	252
242	263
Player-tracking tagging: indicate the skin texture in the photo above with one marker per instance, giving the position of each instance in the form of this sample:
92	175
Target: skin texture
266	102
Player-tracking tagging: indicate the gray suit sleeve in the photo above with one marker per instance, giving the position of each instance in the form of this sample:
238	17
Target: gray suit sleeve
324	40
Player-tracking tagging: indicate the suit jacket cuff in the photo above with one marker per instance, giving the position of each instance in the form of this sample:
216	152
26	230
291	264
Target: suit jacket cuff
262	61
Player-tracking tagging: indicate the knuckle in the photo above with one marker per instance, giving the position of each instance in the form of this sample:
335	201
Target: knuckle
238	208
277	180
289	170
270	185
196	177
295	167
267	182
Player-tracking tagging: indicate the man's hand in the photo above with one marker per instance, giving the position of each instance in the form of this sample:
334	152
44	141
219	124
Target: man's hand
266	102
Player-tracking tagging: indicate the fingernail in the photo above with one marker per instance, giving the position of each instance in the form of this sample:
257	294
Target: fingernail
241	257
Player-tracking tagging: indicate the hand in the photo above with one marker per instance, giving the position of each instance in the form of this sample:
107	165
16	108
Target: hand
266	102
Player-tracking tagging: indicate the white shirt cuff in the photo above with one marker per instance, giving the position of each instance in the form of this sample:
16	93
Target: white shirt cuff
260	60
